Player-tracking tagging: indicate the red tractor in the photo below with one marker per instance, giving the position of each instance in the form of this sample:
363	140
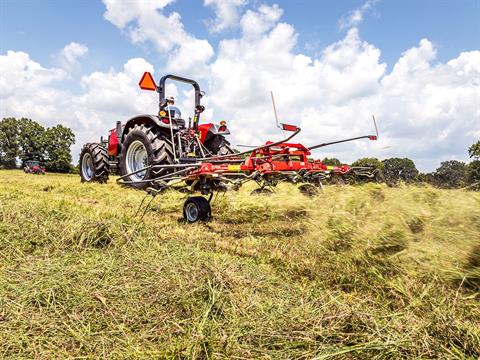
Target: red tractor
162	139
157	152
34	167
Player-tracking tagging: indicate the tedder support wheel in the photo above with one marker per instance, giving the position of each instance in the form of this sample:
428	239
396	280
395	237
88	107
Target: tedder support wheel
196	208
94	164
144	145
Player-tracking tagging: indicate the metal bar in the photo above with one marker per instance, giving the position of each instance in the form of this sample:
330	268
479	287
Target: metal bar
171	135
199	145
375	124
134	172
274	109
167	166
338	142
172	166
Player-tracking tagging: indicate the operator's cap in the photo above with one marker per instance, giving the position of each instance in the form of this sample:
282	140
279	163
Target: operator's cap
171	98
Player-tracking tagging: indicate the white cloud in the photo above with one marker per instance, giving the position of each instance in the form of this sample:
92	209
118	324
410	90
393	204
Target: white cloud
258	22
427	110
144	21
18	73
68	57
27	89
227	14
355	17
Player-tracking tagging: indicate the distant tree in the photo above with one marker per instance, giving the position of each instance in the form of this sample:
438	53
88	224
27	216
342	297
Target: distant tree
331	161
473	175
26	139
450	174
397	169
57	141
31	140
474	151
9	142
372	163
425	177
473	169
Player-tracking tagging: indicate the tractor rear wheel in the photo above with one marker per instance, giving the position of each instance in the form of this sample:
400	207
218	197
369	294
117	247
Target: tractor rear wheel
94	166
144	145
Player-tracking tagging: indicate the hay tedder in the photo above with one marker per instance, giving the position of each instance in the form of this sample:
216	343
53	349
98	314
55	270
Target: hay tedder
157	152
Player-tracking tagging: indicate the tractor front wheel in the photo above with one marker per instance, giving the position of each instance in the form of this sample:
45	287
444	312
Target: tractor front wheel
94	164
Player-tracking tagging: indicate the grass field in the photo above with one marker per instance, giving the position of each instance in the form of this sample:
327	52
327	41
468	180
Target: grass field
358	272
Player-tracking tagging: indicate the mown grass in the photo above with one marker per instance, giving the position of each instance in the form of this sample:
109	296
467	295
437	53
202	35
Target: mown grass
358	272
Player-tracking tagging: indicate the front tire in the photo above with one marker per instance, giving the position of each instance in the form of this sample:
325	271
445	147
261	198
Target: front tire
94	166
196	208
144	145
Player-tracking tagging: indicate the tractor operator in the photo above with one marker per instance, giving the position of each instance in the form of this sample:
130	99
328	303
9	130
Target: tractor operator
177	114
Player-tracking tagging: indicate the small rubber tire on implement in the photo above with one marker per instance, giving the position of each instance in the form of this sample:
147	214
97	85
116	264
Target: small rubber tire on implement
196	208
94	166
144	145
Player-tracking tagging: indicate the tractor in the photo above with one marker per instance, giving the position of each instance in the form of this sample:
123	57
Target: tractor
162	139
34	167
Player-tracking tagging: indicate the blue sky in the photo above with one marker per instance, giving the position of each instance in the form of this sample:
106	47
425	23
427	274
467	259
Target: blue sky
415	63
44	27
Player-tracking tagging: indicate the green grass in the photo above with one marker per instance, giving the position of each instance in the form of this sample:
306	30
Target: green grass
358	272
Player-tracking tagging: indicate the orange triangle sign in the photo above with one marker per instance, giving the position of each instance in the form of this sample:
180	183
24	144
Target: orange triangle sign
147	82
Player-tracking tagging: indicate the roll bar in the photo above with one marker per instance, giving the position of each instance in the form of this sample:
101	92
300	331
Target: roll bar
161	88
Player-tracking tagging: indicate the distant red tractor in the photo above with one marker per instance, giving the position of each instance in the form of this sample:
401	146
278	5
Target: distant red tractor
34	167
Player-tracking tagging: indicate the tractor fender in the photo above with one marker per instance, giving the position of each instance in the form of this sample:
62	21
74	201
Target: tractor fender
145	119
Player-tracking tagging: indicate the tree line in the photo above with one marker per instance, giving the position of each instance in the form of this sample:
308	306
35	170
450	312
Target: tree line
450	174
24	139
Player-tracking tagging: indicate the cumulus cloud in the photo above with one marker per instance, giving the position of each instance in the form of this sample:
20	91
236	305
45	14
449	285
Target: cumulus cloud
355	17
427	110
68	57
227	14
19	73
27	89
144	21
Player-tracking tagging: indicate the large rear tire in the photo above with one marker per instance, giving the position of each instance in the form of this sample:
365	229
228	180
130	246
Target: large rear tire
94	166
144	145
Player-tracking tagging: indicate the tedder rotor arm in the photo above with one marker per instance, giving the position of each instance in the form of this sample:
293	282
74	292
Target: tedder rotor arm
371	137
